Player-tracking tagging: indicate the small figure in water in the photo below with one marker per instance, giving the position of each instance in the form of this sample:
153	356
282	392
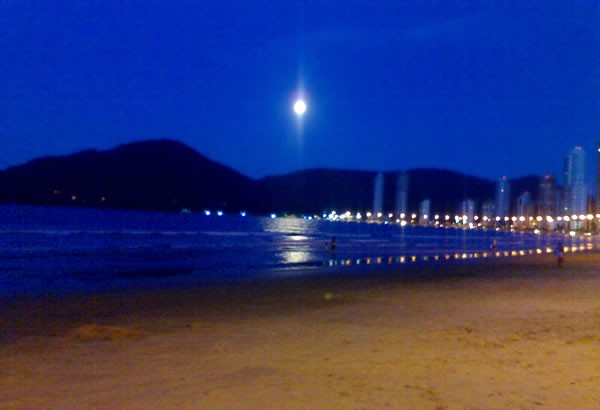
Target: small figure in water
333	245
558	252
493	246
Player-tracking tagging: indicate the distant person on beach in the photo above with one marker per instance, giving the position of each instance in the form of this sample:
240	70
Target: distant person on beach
493	245
559	252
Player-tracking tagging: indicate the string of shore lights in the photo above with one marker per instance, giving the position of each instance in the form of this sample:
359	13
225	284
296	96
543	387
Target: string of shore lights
461	221
458	219
335	216
393	260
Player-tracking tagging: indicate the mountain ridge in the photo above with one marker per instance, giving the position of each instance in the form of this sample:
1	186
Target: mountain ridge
165	174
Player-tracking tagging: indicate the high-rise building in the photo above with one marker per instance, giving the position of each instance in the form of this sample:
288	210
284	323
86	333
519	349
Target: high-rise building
488	209
402	193
548	197
524	205
378	194
424	211
467	209
574	182
502	197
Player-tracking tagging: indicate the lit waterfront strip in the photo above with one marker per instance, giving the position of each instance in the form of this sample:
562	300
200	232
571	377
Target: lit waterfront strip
547	223
463	221
391	260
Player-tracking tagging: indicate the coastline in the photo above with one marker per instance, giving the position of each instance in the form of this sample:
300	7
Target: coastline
516	332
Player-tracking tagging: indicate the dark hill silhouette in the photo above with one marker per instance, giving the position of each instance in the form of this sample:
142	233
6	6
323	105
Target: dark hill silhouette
316	190
325	189
158	174
168	175
447	189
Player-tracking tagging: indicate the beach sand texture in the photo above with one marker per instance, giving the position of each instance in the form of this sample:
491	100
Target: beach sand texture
508	333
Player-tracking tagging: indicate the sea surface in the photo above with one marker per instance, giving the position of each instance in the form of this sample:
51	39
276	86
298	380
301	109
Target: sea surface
53	250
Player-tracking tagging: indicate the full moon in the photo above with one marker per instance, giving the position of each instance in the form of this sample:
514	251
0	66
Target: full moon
299	107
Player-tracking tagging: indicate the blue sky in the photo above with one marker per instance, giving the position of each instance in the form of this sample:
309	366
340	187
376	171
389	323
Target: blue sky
487	88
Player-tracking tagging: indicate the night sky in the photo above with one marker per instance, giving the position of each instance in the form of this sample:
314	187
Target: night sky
488	88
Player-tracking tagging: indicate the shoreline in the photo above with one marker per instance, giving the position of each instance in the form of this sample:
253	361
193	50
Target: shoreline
39	310
515	332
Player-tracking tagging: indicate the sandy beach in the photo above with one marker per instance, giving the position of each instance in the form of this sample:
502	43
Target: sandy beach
506	333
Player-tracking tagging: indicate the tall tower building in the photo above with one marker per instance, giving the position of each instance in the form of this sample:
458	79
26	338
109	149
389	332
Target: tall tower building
574	181
424	211
524	205
502	197
488	209
467	208
548	200
401	193
378	194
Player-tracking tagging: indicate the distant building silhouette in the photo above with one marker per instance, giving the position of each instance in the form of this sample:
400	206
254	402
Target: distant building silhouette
424	211
378	194
502	197
488	209
548	203
574	182
402	180
524	205
467	208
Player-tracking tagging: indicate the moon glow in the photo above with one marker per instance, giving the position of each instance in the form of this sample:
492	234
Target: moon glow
299	107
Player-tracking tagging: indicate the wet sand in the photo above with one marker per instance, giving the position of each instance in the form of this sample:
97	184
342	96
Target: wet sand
505	333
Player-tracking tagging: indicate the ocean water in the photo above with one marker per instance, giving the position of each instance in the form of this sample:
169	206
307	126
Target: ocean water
53	250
